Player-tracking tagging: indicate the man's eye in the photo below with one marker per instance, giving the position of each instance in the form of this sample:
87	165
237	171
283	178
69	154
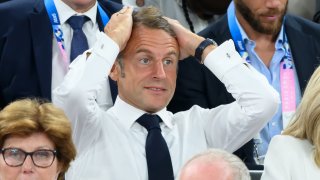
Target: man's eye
167	62
144	61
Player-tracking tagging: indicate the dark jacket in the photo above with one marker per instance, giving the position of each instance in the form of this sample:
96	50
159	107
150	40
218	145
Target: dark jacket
26	48
197	85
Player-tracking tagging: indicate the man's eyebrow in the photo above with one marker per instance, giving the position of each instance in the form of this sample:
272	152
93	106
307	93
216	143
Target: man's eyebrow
143	50
175	53
140	50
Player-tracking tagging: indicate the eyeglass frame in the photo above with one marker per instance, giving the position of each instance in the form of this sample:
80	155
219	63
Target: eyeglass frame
54	152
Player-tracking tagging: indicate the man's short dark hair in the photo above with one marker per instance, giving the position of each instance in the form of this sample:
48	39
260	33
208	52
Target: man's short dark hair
151	17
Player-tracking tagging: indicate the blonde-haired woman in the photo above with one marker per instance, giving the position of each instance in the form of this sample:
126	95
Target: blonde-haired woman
295	154
35	141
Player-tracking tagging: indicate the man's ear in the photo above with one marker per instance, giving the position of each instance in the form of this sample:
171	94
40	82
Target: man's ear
115	71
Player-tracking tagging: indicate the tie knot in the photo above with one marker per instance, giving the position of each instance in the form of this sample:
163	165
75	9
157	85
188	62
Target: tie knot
76	22
149	121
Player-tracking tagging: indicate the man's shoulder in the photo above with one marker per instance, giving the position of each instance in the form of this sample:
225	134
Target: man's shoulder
14	12
15	8
301	24
288	142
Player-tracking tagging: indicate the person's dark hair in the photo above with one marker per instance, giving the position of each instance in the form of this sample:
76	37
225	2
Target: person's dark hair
316	17
151	17
186	14
27	116
205	9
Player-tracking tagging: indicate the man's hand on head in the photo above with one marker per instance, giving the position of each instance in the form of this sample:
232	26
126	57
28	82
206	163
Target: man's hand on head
188	41
120	26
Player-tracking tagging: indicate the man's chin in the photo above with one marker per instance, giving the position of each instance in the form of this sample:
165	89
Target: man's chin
153	108
270	29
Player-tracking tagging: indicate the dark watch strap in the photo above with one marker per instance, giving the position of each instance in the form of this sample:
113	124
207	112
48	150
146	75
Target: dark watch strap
199	51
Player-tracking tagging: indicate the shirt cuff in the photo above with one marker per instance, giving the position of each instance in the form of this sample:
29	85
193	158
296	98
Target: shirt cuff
105	46
223	58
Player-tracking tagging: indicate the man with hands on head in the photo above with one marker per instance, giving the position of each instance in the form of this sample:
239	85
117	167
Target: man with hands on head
141	50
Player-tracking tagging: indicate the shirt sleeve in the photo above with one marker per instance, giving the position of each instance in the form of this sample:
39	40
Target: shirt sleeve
230	126
84	82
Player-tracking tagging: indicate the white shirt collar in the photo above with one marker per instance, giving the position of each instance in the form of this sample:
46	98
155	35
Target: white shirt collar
65	12
128	114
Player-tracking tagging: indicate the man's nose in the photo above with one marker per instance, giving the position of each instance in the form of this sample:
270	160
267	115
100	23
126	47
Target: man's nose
158	71
273	3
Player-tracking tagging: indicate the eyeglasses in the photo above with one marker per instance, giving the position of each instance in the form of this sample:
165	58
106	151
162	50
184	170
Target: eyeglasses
15	157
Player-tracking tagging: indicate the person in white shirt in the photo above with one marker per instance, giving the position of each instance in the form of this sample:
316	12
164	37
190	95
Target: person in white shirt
295	154
214	164
111	144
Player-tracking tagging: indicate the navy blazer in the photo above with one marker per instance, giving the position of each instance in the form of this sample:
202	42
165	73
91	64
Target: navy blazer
26	48
196	84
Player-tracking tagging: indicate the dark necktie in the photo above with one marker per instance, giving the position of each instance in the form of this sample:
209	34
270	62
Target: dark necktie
79	41
157	152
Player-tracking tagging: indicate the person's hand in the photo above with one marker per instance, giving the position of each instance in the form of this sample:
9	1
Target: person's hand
188	41
140	3
119	27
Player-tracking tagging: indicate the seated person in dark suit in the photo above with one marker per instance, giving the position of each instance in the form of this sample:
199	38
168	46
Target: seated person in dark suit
268	39
33	59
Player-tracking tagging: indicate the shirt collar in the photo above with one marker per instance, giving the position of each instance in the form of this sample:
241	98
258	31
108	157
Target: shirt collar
128	114
65	12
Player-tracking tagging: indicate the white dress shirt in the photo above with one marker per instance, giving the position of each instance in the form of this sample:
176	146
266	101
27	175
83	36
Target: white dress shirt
290	158
89	28
111	145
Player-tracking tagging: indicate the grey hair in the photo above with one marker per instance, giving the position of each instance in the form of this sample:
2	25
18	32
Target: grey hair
238	168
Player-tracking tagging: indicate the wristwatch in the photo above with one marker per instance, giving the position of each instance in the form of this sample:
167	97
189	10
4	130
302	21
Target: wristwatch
199	51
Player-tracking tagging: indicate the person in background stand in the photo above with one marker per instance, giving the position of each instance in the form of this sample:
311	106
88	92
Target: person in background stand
284	48
35	141
192	14
138	138
214	164
295	154
34	58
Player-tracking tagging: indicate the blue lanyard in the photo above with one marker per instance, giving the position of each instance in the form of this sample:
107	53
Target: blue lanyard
235	30
56	26
103	15
287	83
237	37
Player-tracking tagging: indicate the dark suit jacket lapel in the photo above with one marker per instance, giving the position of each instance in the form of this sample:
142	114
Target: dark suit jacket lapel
42	36
110	8
303	51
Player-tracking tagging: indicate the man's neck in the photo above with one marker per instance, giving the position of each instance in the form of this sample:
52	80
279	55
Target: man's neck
80	8
265	43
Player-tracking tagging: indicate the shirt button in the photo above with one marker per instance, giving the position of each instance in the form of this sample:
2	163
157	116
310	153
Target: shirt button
273	124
